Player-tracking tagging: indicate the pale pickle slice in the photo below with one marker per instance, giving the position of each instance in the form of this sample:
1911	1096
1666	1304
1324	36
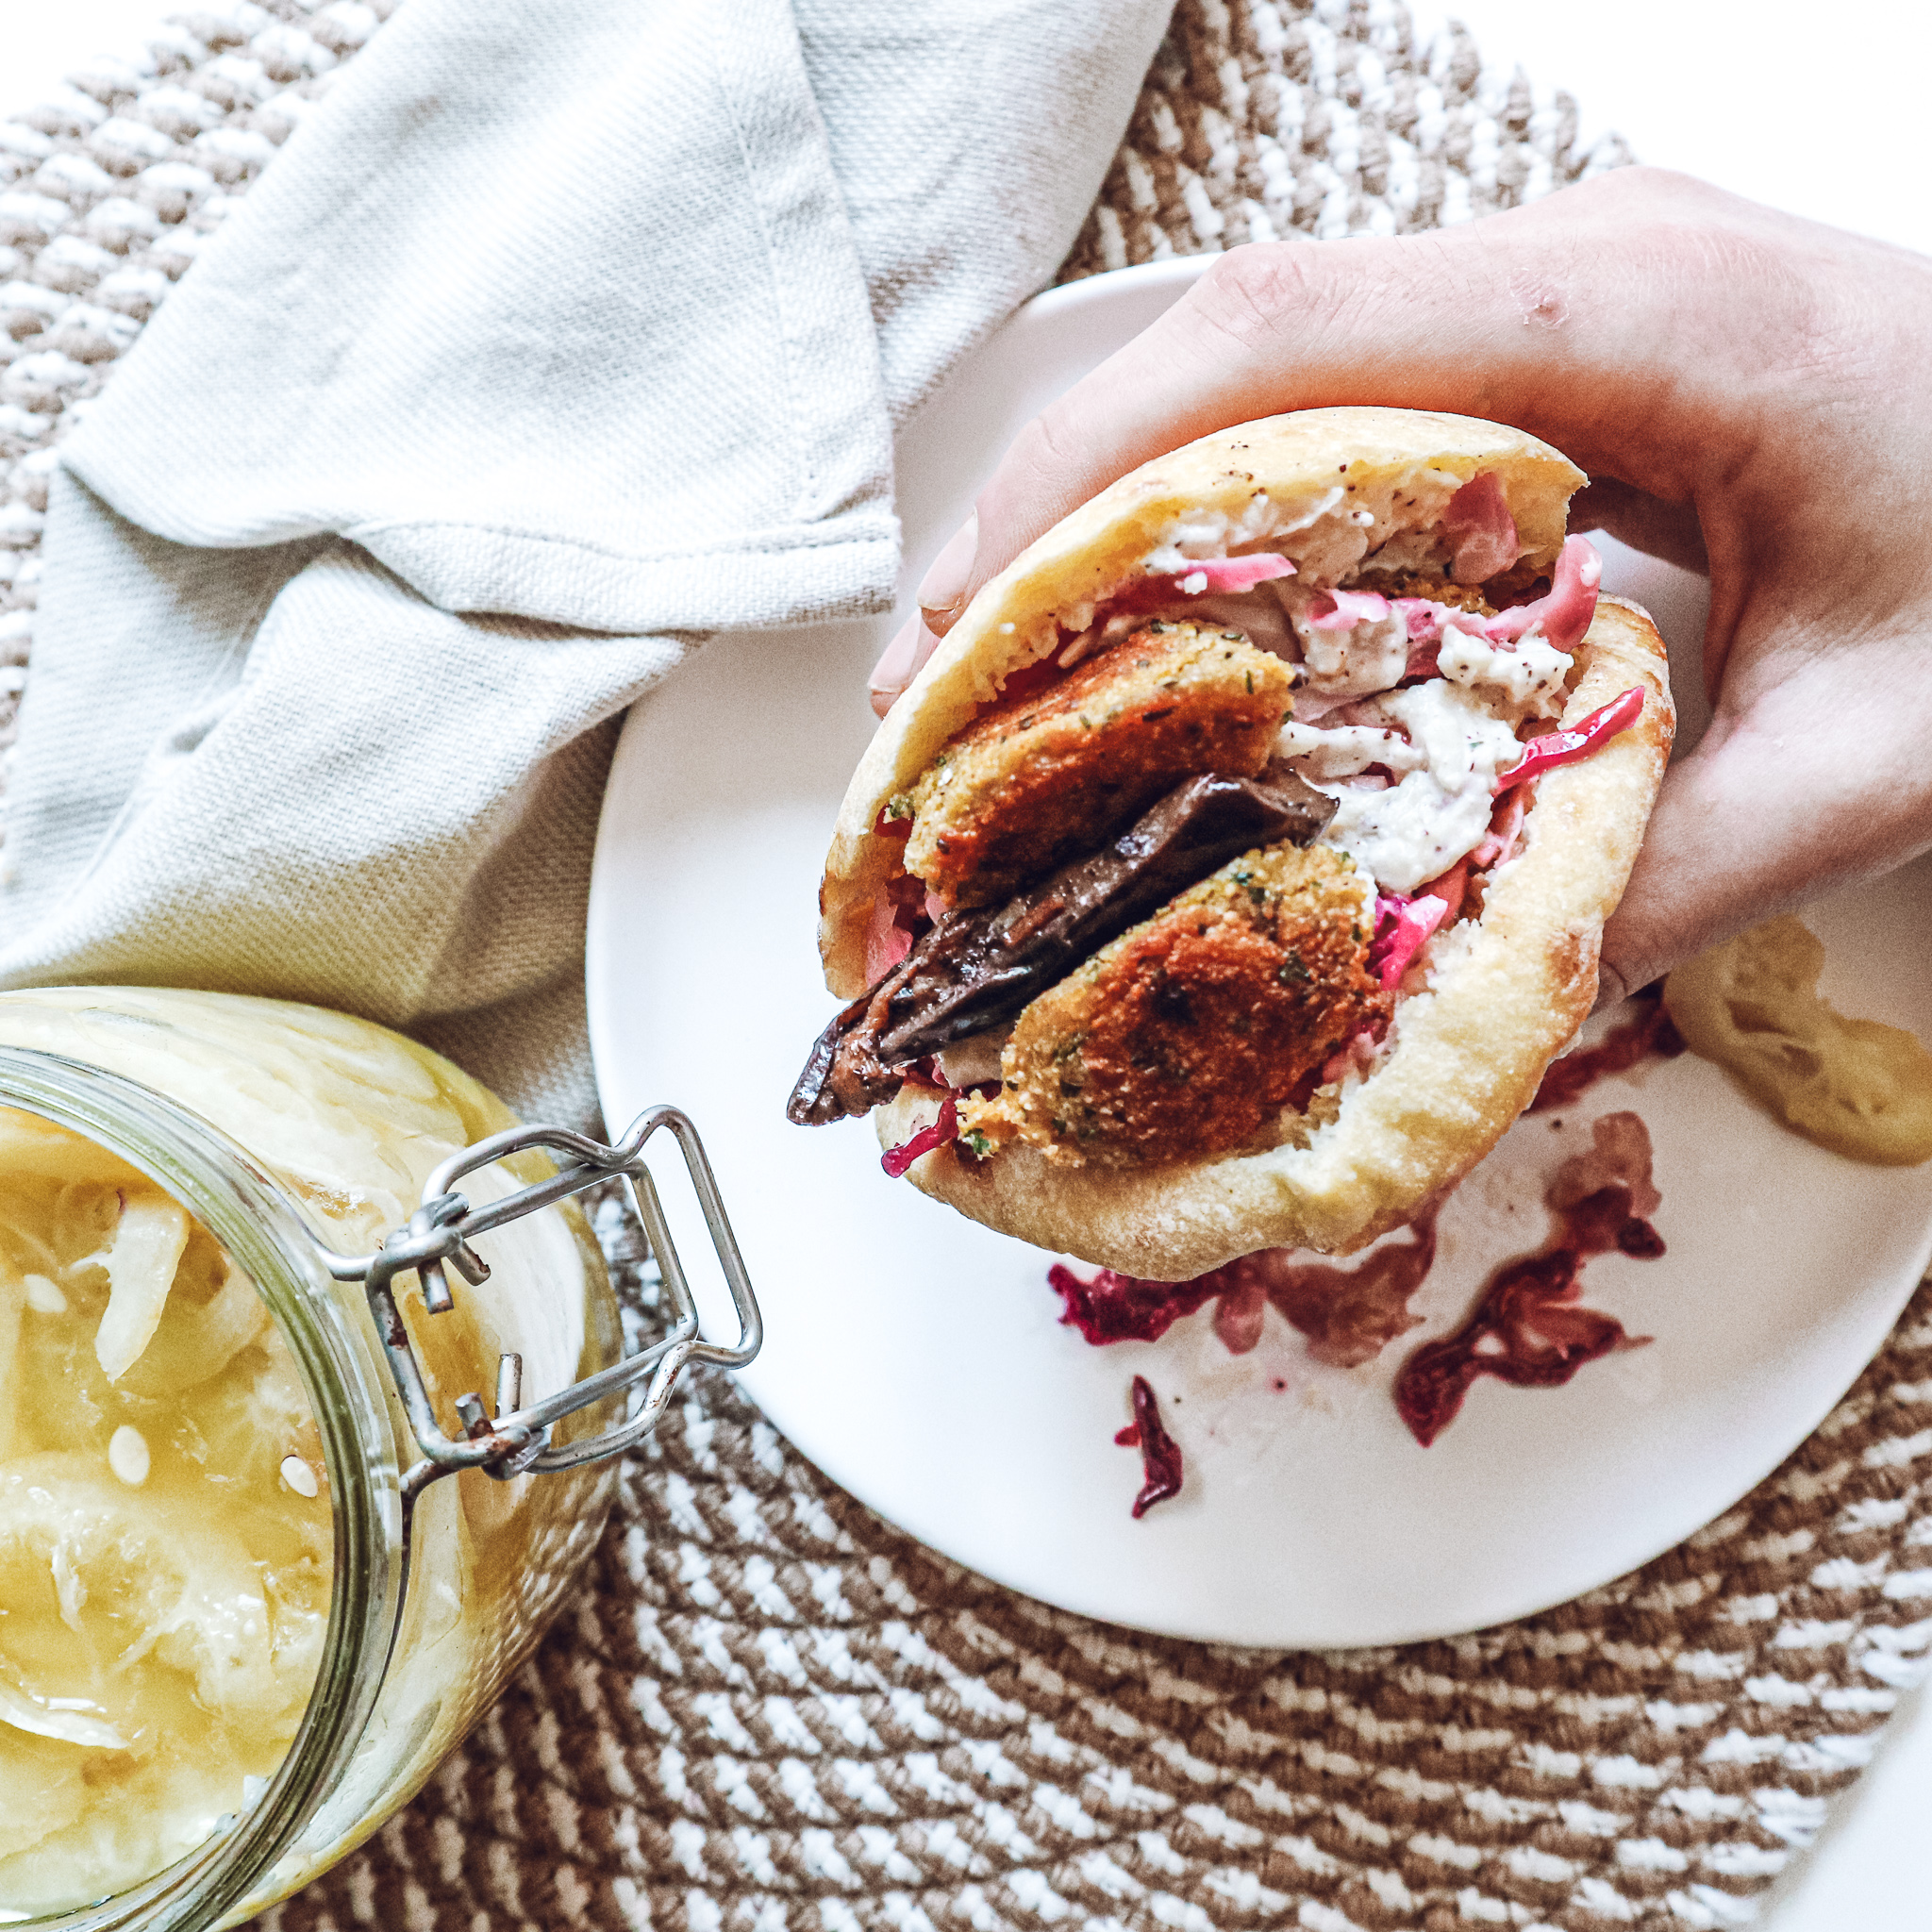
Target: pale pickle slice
1857	1086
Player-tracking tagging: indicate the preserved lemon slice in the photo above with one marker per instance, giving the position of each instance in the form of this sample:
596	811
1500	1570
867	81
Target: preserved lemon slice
1857	1086
45	1792
130	1574
164	1585
66	1719
141	1262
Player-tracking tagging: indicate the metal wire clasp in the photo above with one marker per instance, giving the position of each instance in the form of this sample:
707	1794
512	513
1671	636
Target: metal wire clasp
516	1439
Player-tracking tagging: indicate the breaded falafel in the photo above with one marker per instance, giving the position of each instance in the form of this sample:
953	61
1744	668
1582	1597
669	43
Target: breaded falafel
1190	1032
1043	777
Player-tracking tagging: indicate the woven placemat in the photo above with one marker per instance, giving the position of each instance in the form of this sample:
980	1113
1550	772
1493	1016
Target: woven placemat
770	1710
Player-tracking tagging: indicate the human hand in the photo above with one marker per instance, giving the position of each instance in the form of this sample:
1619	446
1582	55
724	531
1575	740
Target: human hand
1750	393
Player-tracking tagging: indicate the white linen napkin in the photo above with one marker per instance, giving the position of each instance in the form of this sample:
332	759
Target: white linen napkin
557	340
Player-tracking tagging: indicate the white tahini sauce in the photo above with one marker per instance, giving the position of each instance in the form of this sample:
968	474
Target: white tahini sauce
1367	656
1529	674
1412	771
1444	746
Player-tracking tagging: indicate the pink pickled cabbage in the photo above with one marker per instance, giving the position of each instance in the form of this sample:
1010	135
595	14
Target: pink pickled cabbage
1216	575
1160	1455
1448	887
1358	1056
1347	608
1123	1308
1502	841
1478	524
1425	621
1565	614
942	1133
1405	925
1565	747
886	940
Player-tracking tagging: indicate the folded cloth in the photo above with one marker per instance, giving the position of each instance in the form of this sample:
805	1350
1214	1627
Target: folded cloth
556	340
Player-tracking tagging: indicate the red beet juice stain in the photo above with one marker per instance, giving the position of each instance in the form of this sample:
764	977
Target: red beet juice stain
1650	1035
1348	1314
1529	1329
1160	1455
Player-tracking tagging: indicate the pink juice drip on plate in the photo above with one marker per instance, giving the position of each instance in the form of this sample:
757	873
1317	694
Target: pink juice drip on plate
1650	1035
1348	1314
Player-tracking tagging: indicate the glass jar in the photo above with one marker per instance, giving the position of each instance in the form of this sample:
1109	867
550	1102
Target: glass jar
321	1153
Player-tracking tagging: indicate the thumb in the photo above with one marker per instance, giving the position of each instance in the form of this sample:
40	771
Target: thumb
1818	784
1545	316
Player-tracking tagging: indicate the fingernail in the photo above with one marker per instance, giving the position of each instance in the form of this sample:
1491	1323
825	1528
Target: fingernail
900	663
944	584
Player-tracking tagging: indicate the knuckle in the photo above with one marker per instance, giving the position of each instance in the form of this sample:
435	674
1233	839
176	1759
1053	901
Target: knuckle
1613	984
1647	200
1642	182
1252	294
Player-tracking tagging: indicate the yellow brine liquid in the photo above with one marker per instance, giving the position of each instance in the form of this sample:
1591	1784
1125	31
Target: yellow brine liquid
165	1530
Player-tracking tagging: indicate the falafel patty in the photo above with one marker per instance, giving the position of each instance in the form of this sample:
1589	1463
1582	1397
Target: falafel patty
1521	580
1190	1033
1042	778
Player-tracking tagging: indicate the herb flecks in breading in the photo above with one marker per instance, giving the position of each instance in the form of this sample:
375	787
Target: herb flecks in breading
1189	1034
1044	778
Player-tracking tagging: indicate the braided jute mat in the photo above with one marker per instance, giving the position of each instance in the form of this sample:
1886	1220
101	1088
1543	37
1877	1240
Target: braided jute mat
771	1710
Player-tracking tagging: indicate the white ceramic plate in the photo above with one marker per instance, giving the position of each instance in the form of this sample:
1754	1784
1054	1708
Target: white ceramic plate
918	1359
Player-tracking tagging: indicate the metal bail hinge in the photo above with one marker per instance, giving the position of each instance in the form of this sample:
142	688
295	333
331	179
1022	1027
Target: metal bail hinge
516	1439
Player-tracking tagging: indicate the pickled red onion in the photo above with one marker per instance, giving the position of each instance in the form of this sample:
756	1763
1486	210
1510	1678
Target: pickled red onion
1218	575
1424	618
886	940
1347	608
1478	524
1565	614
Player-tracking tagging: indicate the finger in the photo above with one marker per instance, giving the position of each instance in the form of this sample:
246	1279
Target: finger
900	662
1820	784
1670	530
1586	319
942	590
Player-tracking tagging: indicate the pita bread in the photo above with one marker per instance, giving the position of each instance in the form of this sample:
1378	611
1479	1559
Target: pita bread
1505	991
